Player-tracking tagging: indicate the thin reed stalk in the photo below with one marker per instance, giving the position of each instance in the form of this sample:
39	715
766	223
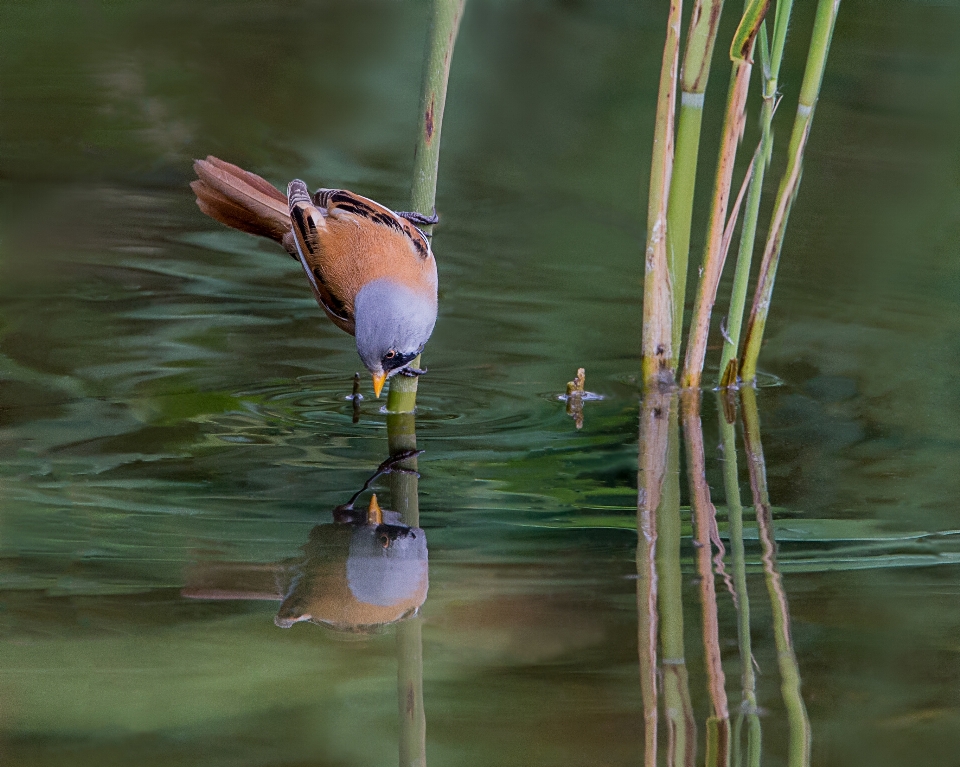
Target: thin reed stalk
657	355
405	497
413	718
704	514
404	484
678	708
797	720
651	470
786	194
741	53
770	71
694	74
748	677
444	24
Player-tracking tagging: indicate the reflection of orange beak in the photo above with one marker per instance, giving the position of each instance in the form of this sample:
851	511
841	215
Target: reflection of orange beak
374	514
378	379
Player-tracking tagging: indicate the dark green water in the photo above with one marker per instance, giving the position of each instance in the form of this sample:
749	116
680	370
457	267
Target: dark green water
172	402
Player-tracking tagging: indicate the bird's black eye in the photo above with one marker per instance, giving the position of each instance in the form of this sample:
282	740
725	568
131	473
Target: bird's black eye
390	355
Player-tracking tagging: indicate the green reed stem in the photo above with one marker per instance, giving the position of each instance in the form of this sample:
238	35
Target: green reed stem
694	75
444	24
823	26
770	68
748	678
402	399
741	53
413	718
405	497
798	721
651	470
657	356
681	726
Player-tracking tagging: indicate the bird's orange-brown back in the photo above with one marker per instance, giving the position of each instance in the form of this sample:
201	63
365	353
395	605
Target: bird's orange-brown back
362	241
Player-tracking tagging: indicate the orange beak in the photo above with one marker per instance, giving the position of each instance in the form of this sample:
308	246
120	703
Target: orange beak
374	513
378	379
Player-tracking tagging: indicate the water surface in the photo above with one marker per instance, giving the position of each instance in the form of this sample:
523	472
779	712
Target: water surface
172	400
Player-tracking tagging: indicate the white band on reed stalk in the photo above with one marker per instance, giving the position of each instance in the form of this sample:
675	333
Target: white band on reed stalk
803	110
692	100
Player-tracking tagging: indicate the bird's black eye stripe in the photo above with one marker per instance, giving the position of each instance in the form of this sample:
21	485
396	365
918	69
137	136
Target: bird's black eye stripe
398	360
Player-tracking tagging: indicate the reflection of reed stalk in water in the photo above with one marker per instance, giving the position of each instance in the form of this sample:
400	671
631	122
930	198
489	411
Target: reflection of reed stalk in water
748	710
401	402
660	581
705	515
650	476
797	719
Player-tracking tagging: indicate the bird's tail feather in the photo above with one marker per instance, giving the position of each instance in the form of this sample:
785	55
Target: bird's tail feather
241	199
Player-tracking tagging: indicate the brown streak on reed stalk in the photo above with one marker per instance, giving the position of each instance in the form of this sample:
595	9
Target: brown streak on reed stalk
651	470
657	357
705	514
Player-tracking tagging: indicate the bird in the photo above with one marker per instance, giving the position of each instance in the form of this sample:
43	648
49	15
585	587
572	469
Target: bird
371	269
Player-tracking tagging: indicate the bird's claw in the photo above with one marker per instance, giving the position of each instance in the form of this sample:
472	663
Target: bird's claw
418	219
411	372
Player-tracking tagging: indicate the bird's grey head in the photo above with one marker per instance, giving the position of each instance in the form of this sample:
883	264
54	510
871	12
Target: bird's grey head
393	323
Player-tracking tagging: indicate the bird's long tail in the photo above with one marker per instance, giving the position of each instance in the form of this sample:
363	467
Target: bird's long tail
242	200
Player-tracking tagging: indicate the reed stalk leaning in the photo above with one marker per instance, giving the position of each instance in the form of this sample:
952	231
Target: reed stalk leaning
444	24
694	74
823	26
741	53
770	60
657	354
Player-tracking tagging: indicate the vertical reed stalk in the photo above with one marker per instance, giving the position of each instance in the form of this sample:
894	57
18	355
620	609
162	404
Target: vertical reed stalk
413	718
404	485
681	726
402	399
404	492
657	355
741	53
770	69
651	471
797	719
444	24
809	92
704	513
693	84
748	677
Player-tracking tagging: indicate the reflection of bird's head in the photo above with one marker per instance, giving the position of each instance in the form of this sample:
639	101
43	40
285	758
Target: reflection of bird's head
364	570
393	323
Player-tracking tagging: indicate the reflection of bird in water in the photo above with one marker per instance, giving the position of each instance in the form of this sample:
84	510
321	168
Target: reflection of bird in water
364	570
371	269
358	573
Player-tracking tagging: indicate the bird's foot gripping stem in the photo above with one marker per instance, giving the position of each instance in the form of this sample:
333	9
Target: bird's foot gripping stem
418	219
411	372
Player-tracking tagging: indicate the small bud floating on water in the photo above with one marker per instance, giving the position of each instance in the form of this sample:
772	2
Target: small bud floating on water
576	396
